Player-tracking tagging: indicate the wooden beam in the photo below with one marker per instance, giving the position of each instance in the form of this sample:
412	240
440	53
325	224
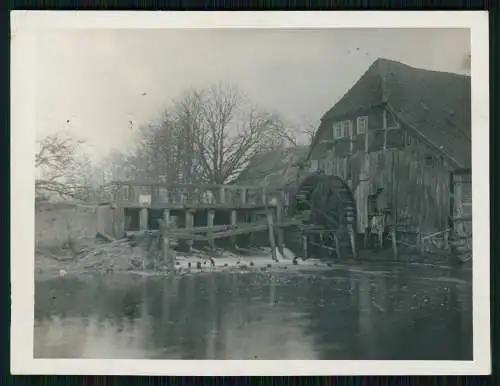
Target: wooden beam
240	230
234	218
210	226
106	237
272	241
280	232
384	127
196	205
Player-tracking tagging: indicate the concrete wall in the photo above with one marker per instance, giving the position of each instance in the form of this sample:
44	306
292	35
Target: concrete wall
55	224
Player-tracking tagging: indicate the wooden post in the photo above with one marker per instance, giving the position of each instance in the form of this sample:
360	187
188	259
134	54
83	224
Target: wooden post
394	243
337	245
352	236
351	135
189	224
168	255
210	223
264	196
222	195
166	217
447	239
167	195
304	246
272	241
422	246
181	196
143	219
253	218
279	230
286	197
234	223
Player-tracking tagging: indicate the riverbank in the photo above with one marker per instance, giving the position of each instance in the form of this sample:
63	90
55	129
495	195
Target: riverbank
120	257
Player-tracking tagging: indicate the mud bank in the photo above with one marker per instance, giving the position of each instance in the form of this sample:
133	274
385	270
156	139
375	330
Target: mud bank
119	258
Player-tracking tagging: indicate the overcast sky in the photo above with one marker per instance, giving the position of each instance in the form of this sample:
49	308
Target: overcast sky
95	78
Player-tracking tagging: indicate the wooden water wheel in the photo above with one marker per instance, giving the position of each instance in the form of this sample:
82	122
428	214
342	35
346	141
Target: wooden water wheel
327	210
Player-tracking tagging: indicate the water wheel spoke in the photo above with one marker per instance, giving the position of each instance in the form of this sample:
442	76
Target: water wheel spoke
326	207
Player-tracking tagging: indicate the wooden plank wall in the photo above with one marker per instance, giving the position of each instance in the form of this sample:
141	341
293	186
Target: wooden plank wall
416	191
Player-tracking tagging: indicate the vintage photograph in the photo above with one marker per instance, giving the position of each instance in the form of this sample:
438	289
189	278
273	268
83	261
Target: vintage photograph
253	194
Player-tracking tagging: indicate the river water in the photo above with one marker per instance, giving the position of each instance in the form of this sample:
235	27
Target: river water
414	314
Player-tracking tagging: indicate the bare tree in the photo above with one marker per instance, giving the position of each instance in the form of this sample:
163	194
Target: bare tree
207	135
57	166
224	133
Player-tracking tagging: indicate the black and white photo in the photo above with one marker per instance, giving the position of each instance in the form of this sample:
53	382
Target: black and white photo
241	192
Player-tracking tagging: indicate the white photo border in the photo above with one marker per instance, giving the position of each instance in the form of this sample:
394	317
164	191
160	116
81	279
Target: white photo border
24	27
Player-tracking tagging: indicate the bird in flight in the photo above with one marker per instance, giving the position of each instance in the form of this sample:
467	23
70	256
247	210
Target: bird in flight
144	93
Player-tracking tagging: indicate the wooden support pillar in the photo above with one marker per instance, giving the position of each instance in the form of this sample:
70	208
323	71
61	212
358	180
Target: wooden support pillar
394	243
210	223
222	195
422	246
446	239
304	246
253	219
352	237
337	245
272	241
384	126
189	224
243	195
279	229
366	235
234	223
143	219
264	196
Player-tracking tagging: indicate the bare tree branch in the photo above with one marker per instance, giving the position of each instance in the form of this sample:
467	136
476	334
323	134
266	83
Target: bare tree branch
208	136
58	168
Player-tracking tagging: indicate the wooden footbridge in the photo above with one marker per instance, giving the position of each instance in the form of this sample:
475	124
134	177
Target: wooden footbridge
314	217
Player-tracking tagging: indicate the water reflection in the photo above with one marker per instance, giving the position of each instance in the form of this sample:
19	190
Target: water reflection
336	315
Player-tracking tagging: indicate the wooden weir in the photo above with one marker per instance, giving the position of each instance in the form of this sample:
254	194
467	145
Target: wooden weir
246	210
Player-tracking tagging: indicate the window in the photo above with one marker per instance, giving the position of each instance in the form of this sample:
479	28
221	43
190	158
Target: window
429	160
337	130
362	125
407	139
314	165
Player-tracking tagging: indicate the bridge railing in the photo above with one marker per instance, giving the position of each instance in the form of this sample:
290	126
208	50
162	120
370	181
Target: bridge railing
196	193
